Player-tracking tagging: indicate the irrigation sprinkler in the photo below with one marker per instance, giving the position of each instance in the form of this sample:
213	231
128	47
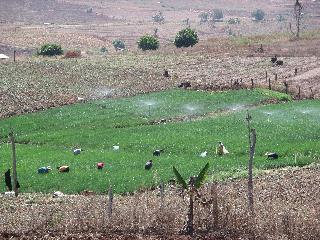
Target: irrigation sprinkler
148	104
191	110
149	109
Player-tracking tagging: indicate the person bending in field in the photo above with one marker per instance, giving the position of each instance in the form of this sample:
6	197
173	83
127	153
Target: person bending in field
157	152
63	169
221	150
148	165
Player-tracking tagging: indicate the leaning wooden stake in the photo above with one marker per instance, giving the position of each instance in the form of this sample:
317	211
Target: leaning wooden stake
110	202
14	160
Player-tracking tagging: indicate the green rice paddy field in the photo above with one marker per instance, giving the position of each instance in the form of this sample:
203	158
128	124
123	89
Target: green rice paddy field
192	122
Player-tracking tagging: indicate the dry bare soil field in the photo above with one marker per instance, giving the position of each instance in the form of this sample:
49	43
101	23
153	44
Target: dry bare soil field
34	83
287	201
286	207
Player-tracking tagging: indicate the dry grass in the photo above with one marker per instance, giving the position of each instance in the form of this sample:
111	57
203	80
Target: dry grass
286	207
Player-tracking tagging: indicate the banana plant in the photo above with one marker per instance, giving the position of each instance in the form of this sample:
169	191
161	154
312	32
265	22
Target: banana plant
195	182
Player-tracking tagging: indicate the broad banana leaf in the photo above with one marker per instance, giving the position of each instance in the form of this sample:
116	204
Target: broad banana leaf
201	176
179	178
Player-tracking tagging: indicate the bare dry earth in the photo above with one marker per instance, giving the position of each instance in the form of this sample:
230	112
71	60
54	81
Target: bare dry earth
35	84
21	24
286	205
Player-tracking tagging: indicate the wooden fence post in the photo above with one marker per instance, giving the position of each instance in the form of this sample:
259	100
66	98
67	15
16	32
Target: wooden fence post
252	145
312	93
295	71
269	84
252	83
276	77
215	210
250	167
14	160
266	76
14	55
299	92
286	85
161	195
110	201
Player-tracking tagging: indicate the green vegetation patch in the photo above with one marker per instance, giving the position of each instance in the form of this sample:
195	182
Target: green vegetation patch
192	122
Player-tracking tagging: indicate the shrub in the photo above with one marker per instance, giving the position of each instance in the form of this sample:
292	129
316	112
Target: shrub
158	18
186	22
217	14
72	54
186	38
103	50
50	49
155	32
258	15
280	18
148	42
118	44
234	21
204	17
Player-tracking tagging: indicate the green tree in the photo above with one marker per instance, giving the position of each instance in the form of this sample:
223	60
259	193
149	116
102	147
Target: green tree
298	17
148	42
50	49
186	38
258	14
192	187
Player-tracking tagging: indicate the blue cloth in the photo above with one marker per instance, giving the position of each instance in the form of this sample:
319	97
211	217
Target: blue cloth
76	151
43	170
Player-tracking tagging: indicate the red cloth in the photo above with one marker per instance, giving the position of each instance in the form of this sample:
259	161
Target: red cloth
100	165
